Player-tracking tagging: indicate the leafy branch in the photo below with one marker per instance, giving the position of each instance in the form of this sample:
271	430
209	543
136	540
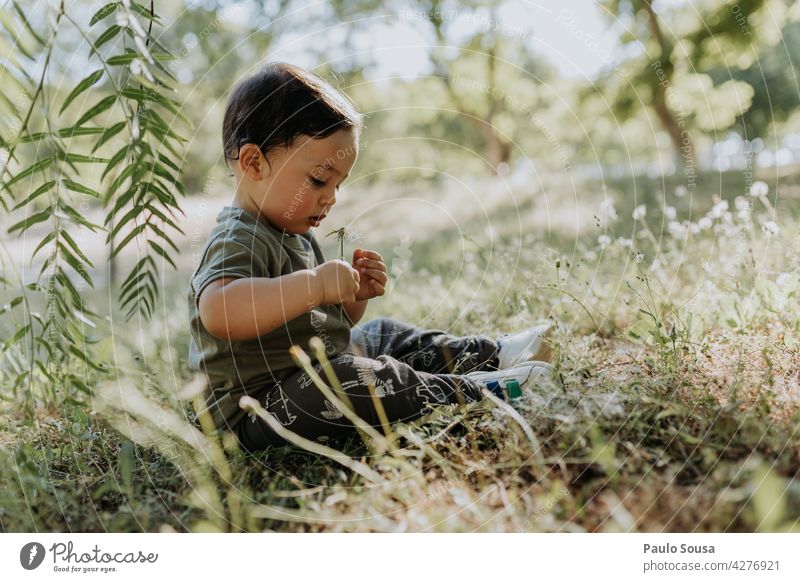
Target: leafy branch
51	139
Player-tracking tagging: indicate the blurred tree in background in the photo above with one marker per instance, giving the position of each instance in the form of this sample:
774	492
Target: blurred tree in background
691	69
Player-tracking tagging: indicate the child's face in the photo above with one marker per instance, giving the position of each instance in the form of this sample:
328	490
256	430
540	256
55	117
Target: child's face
297	188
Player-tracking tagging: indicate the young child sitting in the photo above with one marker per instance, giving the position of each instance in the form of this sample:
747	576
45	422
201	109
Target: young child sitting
263	284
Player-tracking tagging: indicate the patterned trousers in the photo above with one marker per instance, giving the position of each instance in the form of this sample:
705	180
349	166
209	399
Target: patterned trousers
409	368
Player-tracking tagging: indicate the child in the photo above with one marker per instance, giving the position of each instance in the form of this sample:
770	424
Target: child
263	284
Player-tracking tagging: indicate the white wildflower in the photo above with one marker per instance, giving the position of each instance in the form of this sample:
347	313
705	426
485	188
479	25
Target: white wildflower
607	210
759	188
639	212
719	208
638	256
670	213
694	228
603	240
771	228
676	229
681	191
705	223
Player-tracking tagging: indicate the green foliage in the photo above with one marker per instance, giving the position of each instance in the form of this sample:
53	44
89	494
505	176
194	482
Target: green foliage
690	72
43	179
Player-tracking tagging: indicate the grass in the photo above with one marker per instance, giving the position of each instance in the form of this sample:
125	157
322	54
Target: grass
675	405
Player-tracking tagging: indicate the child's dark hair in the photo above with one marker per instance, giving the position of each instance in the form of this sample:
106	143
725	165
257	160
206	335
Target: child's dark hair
279	103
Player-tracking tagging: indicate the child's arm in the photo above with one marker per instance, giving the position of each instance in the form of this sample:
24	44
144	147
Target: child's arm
355	310
248	307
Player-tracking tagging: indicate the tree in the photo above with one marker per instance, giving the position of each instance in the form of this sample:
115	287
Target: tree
671	70
774	79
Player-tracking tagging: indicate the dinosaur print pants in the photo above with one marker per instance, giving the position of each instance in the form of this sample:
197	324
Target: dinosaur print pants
409	369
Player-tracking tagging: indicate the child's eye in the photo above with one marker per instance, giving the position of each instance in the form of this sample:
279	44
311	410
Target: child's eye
315	182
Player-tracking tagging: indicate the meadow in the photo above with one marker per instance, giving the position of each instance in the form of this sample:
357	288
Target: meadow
674	407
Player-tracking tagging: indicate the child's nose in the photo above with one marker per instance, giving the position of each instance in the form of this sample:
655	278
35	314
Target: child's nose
328	200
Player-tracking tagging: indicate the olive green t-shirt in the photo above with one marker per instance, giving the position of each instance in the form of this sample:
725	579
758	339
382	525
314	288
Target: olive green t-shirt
241	245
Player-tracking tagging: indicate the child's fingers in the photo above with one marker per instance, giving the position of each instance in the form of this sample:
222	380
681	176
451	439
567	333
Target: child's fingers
371	264
379	289
376	275
371	255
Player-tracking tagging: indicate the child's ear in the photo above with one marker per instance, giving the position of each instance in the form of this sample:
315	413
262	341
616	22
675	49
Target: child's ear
252	162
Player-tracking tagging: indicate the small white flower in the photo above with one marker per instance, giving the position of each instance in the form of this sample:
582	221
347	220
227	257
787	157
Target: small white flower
625	242
719	208
639	212
771	228
680	191
607	209
670	213
638	256
603	240
705	223
677	230
759	188
694	228
742	204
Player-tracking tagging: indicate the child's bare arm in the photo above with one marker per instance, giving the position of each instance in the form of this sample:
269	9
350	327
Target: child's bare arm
246	308
355	310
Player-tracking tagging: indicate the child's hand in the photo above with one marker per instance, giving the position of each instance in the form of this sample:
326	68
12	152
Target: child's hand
372	272
336	282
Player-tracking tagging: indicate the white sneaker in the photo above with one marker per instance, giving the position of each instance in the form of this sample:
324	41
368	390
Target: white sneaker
525	375
525	345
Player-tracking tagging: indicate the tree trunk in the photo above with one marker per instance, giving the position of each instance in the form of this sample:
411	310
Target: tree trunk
679	135
497	151
681	140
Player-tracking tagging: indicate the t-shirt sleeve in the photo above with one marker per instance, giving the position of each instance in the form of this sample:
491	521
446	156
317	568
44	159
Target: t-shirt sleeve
227	257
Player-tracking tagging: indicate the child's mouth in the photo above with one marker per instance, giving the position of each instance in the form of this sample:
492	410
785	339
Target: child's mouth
315	220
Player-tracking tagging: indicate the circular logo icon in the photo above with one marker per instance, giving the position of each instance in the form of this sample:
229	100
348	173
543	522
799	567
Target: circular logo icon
31	555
